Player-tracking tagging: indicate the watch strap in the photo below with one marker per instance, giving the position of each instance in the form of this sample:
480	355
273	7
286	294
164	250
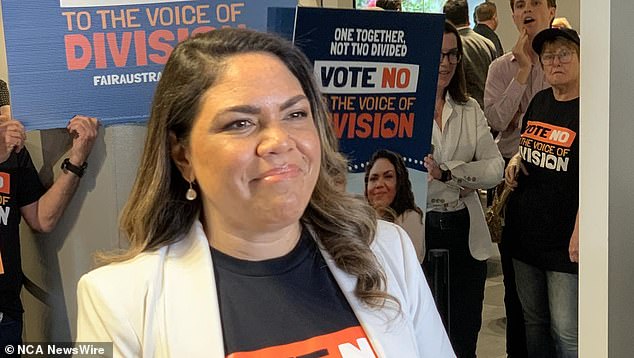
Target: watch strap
77	170
445	175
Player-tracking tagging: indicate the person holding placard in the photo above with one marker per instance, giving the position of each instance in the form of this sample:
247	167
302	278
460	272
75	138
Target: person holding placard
22	196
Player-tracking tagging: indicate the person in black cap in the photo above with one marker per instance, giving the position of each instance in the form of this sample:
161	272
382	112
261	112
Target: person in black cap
542	212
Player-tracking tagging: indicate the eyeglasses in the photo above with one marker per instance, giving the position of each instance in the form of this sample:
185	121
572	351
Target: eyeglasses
564	56
453	56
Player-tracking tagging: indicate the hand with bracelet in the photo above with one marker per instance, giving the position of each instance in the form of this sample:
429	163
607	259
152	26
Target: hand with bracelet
84	132
43	214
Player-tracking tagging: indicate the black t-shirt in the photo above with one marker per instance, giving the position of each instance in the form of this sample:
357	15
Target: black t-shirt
19	186
542	210
289	306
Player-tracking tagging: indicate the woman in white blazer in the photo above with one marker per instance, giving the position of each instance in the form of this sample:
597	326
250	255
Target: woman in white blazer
465	159
240	243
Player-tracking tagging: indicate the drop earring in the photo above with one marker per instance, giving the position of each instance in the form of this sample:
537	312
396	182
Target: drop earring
191	194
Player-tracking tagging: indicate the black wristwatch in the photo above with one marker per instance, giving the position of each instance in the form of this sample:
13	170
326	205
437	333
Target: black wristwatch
445	175
68	166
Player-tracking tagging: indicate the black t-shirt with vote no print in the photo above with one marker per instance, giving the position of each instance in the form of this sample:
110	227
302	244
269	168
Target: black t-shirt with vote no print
19	186
289	306
542	210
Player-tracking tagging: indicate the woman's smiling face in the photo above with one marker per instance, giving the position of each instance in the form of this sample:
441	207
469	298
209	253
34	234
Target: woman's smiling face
254	149
382	182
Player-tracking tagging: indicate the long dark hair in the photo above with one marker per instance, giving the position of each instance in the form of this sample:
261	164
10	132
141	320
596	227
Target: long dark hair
457	86
404	198
157	213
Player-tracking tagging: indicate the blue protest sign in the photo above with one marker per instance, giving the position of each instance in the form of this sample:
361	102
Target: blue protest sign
378	71
103	57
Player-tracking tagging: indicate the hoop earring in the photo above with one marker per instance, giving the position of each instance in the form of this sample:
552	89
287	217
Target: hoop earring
191	194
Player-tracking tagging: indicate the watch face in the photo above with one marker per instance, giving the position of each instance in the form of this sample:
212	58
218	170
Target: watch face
445	176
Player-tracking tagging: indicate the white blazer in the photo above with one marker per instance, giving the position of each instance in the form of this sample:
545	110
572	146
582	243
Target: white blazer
471	154
164	303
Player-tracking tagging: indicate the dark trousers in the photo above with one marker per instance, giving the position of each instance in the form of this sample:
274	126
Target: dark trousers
10	333
515	329
467	275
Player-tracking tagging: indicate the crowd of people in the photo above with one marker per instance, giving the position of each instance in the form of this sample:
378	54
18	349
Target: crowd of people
525	95
240	225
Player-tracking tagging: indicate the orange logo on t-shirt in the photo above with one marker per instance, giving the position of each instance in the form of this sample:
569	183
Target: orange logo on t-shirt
347	343
548	133
5	183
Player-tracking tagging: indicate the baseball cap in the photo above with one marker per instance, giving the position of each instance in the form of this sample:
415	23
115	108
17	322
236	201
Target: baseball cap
552	33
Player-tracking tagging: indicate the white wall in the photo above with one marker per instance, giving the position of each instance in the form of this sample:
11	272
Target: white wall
610	131
594	175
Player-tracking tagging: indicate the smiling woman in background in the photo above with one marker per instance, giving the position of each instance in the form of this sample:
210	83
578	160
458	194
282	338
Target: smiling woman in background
241	243
389	191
